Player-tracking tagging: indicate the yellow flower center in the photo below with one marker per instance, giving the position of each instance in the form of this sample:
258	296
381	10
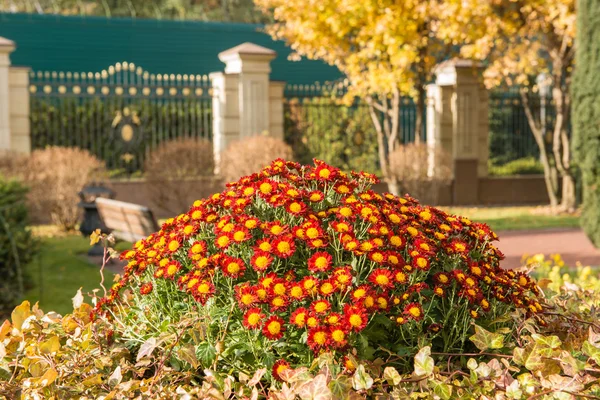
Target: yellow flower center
283	247
415	312
192	283
173	245
265	188
426	215
443	278
276	229
315	197
223	241
300	319
196	214
321	307
321	262
171	269
396	241
203	288
274	327
326	288
355	320
249	191
421	262
412	230
279	289
312	233
312	322
278	301
295	207
250	224
253	319
382	279
320	338
346	211
324	173
233	268
238	236
262	261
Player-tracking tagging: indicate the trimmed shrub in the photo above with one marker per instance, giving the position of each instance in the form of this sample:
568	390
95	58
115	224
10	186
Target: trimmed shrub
340	135
409	164
17	246
55	176
297	261
171	164
245	156
522	166
586	115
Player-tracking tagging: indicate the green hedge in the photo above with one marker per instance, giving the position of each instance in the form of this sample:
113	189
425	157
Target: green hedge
17	246
521	166
586	113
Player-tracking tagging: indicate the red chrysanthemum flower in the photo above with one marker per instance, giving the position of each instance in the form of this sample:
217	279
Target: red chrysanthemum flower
355	318
421	262
233	267
319	262
253	318
338	337
278	368
284	247
146	288
295	207
414	311
261	261
382	278
299	317
320	306
274	328
318	338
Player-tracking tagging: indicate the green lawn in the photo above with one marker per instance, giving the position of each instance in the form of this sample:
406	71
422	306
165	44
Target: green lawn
61	268
517	218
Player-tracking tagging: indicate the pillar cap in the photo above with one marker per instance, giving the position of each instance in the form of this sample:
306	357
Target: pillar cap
6	45
448	72
247	49
247	57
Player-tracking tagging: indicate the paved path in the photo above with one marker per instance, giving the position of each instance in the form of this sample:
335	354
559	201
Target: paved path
570	243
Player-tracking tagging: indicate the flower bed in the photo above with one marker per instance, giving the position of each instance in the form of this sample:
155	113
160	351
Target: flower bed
301	281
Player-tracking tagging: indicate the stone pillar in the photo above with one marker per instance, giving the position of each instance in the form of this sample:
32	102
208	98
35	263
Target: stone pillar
245	102
457	121
6	47
19	109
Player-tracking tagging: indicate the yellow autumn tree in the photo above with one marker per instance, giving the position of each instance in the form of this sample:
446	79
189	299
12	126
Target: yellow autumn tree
525	40
386	49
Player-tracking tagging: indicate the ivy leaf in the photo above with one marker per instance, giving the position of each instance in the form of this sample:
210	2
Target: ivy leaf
591	351
256	377
442	390
552	342
315	389
93	380
513	391
95	237
207	353
361	380
484	339
423	362
392	376
340	386
147	348
528	357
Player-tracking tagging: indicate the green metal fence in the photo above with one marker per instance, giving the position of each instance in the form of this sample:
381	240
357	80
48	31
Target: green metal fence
118	114
510	135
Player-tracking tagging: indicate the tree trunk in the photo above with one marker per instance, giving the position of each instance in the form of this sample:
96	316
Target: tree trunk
393	186
561	146
420	110
549	169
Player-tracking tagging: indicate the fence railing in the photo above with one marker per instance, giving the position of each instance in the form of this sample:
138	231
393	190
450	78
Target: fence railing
118	114
314	107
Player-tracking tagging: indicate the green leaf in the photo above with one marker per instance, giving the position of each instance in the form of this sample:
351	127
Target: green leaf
442	390
487	340
591	351
340	386
207	353
361	380
528	357
423	362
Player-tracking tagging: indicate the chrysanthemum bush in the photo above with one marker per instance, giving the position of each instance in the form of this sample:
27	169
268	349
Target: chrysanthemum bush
296	261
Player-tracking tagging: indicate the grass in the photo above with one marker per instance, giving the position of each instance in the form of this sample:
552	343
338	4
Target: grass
59	270
517	218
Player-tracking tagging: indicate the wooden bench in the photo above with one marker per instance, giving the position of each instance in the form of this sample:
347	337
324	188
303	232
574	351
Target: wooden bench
130	222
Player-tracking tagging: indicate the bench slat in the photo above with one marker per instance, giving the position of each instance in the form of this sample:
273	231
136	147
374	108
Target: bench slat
128	221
